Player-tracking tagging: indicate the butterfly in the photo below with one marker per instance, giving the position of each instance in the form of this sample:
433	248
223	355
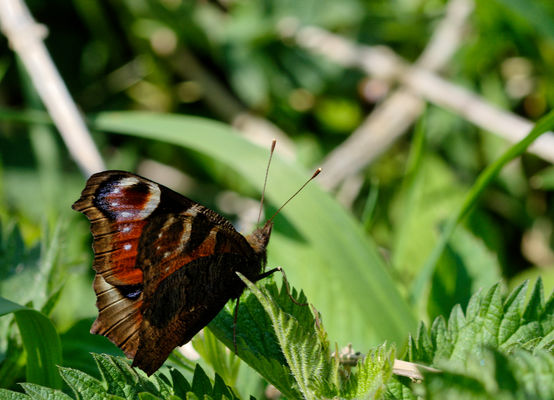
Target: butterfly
165	265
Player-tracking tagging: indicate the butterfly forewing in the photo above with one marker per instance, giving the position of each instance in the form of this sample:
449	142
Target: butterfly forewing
165	265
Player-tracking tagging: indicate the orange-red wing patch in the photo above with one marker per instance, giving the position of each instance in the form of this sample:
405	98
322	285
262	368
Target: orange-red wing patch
116	253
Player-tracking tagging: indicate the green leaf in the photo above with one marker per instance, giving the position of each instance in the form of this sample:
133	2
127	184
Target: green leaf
371	376
121	379
83	385
466	266
37	392
303	352
212	351
489	322
9	395
256	344
201	383
494	375
303	344
180	385
361	283
41	342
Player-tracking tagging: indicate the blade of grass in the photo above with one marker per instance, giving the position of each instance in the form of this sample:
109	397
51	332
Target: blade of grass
485	178
41	341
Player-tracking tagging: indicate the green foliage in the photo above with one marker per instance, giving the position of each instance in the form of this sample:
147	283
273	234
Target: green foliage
41	343
494	375
295	357
21	269
120	381
222	61
489	321
472	197
500	348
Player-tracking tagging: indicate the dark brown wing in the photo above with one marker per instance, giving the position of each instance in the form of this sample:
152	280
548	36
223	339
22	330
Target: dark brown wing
164	264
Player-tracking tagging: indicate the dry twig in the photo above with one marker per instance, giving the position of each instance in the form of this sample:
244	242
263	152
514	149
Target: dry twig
25	37
396	114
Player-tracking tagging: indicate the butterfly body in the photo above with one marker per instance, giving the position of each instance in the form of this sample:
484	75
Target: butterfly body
165	265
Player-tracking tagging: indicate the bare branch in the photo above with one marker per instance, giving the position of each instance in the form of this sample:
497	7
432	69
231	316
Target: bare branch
380	62
26	39
398	112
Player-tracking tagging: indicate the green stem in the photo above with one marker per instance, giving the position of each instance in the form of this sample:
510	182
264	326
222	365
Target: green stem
485	178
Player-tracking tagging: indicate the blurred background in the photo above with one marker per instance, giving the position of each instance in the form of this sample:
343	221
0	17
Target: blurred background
399	152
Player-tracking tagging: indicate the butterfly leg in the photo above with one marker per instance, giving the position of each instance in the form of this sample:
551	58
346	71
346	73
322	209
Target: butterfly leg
282	271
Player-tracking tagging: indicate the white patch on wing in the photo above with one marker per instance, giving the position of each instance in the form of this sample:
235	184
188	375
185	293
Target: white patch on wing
152	200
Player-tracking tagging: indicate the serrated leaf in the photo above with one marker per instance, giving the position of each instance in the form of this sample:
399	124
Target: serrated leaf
83	385
256	344
368	382
535	304
224	362
513	309
489	322
494	375
164	385
10	395
37	392
201	384
220	389
180	385
399	388
121	379
304	345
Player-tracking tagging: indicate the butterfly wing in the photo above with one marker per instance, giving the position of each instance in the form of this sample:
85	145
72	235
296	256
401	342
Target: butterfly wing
165	265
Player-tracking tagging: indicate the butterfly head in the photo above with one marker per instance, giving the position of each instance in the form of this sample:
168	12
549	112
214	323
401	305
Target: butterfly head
259	239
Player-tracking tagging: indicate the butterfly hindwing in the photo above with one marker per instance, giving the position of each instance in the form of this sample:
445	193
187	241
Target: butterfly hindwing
165	265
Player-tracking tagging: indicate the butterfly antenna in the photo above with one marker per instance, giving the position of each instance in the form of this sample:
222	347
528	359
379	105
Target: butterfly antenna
316	173
265	179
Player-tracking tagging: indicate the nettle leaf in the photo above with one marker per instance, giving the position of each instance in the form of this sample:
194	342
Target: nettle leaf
399	388
373	372
256	344
83	385
121	379
494	375
310	371
9	395
121	382
40	392
488	321
498	349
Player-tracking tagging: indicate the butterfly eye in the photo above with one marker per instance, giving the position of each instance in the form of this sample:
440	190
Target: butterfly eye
132	292
127	198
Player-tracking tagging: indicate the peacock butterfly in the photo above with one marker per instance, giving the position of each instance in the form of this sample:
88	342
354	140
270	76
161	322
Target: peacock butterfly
165	265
